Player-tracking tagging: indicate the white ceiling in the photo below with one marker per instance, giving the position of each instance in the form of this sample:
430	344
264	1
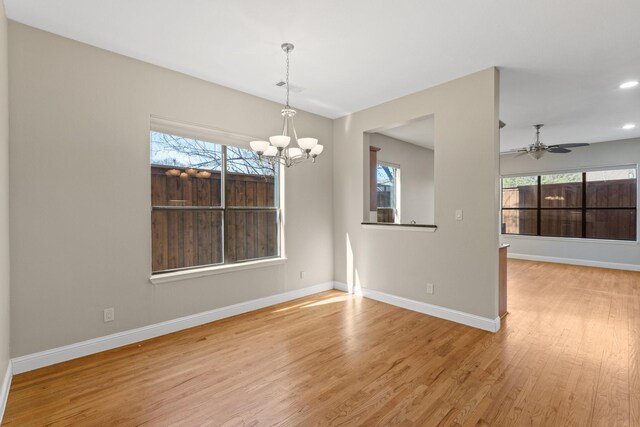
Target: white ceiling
561	61
418	132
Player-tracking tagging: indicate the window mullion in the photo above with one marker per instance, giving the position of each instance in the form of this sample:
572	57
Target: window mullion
584	205
223	202
539	216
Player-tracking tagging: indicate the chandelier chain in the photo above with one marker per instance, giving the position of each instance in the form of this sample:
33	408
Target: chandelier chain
287	78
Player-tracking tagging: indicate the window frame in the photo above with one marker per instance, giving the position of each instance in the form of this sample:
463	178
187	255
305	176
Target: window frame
223	139
583	208
396	189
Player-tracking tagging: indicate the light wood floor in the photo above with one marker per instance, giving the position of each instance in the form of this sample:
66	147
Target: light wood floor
568	354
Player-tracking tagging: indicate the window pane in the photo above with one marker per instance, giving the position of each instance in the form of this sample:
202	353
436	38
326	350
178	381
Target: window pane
250	181
184	172
561	223
611	188
169	188
611	224
561	190
515	221
386	186
182	238
172	150
386	215
520	192
251	235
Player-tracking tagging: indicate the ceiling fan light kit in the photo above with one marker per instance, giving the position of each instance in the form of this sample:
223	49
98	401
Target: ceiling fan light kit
538	149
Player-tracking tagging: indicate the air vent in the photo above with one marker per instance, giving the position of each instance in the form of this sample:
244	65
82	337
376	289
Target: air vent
292	88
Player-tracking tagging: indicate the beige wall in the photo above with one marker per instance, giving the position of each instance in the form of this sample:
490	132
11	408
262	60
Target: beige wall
416	177
80	205
602	253
461	257
4	197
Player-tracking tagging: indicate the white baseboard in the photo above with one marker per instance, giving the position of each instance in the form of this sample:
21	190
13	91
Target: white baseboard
584	262
73	351
4	389
487	324
342	287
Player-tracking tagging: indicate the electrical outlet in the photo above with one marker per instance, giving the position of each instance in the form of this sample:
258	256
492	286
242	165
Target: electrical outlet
109	314
301	275
429	288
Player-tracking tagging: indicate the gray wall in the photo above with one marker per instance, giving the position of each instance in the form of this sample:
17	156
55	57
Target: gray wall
612	153
416	177
4	197
80	209
461	257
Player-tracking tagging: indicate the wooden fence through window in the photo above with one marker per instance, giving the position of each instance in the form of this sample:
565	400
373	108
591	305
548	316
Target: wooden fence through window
187	219
609	210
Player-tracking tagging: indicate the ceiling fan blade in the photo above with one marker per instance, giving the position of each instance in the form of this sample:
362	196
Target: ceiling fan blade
578	144
558	149
521	153
513	151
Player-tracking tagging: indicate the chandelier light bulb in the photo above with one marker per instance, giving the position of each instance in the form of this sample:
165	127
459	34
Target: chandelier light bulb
295	152
317	150
307	143
280	141
259	146
270	151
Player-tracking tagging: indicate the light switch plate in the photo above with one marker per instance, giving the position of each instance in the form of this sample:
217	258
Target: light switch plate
458	214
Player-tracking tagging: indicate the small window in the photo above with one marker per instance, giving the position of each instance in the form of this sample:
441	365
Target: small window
212	204
388	183
599	204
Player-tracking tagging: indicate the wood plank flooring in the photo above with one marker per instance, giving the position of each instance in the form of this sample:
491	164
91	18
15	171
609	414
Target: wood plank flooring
567	354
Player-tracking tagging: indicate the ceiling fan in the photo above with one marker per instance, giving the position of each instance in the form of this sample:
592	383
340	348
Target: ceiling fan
537	149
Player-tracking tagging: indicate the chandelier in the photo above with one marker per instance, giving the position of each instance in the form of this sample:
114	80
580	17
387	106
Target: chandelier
277	149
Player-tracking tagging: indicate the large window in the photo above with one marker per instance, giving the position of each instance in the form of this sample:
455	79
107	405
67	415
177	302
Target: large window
211	204
387	185
598	204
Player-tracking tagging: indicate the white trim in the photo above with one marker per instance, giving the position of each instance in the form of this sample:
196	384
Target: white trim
584	262
399	228
341	287
4	389
579	240
200	132
487	324
173	276
73	351
578	169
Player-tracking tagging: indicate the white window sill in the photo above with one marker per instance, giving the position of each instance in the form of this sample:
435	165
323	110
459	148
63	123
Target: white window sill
569	239
403	227
173	276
